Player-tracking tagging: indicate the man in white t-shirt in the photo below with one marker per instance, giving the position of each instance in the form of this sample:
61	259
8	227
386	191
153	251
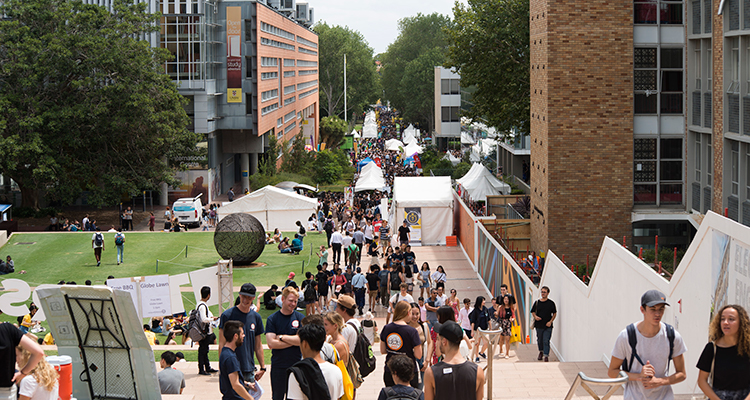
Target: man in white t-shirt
313	367
648	372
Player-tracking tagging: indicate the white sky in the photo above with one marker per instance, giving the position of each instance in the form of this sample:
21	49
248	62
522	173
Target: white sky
376	20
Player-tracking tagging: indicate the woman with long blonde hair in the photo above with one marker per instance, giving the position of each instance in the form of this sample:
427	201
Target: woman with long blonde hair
333	324
41	383
727	357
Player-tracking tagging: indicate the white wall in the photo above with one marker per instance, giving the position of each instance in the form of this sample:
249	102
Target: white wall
590	317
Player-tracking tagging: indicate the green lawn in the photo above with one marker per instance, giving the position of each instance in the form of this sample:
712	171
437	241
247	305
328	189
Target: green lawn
51	257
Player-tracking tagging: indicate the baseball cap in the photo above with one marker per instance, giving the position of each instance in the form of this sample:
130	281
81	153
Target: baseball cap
652	298
248	289
346	302
451	331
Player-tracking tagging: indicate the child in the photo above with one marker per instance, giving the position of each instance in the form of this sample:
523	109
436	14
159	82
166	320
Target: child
402	371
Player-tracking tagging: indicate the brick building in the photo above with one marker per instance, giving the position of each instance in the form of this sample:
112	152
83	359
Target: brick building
637	109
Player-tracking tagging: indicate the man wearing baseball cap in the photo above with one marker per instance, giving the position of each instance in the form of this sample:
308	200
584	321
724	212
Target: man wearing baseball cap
657	344
451	378
251	347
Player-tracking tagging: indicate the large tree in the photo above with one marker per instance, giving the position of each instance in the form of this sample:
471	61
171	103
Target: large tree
362	80
489	48
86	106
409	63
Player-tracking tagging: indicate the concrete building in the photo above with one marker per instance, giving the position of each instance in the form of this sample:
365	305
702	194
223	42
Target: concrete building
249	70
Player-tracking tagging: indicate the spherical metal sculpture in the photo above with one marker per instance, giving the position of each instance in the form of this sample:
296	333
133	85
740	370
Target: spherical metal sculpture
240	237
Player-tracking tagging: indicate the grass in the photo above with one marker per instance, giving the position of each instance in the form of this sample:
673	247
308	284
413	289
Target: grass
51	257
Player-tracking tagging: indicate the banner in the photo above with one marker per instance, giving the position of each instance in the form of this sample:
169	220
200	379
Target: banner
234	54
413	217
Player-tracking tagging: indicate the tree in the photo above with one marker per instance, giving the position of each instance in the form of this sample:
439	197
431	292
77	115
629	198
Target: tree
332	131
489	48
86	105
408	66
362	82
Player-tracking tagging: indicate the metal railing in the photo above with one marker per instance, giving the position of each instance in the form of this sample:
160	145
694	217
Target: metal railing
585	382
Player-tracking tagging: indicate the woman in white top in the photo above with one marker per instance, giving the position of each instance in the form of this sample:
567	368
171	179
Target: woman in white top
41	384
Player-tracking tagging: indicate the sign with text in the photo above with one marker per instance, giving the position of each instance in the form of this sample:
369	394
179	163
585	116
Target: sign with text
234	54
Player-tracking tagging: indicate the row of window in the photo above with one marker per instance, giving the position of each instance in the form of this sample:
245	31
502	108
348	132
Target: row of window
276	43
268	28
269	95
309	92
306	85
306	42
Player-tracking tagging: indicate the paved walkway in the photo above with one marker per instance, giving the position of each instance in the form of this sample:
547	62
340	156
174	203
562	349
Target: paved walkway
520	377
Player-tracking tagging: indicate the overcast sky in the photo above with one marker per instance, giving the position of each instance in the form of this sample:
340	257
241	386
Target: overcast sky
377	20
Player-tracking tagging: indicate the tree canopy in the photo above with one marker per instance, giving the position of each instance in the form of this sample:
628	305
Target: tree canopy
409	63
362	80
86	106
489	48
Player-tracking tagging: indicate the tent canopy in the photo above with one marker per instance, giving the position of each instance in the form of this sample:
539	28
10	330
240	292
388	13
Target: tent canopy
434	196
273	207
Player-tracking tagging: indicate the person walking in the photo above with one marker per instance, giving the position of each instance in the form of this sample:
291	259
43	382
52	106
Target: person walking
648	360
120	245
454	377
726	359
251	347
544	312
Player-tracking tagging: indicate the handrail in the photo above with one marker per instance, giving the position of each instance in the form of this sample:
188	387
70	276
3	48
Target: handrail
584	381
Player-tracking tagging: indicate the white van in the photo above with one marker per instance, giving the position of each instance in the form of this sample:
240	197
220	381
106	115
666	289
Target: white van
189	211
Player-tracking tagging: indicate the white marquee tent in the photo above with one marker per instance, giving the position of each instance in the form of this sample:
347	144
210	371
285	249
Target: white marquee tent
434	195
273	207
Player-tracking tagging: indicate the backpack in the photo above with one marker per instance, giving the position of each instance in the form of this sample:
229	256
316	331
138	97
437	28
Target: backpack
392	395
119	239
98	239
362	353
196	330
633	340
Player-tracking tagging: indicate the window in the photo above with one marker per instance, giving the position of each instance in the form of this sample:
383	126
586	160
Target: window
268	75
288	62
268	109
306	85
450	114
288	74
735	172
306	42
658	82
307	93
269	62
657	171
449	86
288	89
306	51
305	63
289	116
275	43
657	12
269	95
289	100
308	72
268	28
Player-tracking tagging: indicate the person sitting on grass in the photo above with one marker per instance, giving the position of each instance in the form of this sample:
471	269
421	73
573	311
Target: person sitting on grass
402	371
297	244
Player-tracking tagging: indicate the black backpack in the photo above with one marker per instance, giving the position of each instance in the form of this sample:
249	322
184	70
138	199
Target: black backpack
98	239
362	352
633	340
392	395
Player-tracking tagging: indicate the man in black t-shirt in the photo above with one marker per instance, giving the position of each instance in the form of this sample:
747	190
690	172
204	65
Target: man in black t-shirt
544	312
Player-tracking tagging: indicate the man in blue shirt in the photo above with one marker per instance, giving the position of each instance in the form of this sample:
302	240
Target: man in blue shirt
231	384
281	336
252	322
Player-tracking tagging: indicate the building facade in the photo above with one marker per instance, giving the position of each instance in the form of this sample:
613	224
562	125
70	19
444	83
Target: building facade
638	110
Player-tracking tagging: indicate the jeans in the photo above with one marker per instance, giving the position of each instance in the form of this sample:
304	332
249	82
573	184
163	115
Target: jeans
543	336
359	298
120	250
